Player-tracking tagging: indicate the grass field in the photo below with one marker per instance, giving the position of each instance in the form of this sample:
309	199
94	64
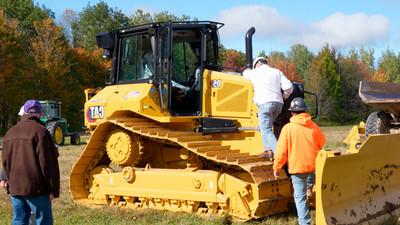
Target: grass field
66	212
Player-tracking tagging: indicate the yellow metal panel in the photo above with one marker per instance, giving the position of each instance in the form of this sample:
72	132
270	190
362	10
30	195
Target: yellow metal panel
164	183
359	188
226	95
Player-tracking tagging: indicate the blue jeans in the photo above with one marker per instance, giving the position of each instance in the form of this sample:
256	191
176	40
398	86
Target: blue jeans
300	184
267	113
39	205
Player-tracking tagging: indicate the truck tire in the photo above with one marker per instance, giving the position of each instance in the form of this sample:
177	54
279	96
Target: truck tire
378	123
75	139
56	132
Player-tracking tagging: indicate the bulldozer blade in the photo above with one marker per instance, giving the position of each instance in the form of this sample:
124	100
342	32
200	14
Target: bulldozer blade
359	187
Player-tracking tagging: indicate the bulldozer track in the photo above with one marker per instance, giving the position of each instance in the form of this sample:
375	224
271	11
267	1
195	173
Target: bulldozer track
209	147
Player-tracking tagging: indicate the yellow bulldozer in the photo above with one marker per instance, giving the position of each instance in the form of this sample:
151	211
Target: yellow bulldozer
173	130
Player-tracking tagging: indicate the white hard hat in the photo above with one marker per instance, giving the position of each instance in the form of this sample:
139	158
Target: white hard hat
260	59
21	111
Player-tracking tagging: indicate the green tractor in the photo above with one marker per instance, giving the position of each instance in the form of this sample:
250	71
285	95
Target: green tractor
57	125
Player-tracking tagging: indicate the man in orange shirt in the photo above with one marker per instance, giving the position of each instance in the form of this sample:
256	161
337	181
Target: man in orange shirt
298	146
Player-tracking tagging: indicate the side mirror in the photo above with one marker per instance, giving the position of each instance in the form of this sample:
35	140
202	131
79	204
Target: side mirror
109	77
106	42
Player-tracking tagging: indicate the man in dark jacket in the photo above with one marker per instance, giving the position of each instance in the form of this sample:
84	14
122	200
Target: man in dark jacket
30	162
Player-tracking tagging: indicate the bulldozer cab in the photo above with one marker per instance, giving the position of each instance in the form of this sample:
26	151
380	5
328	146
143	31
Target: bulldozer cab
172	56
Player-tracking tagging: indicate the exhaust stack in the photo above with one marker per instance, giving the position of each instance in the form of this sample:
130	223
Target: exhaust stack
249	47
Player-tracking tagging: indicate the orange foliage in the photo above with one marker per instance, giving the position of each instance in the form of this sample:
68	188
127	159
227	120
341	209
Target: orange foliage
98	55
50	48
92	67
381	76
364	70
287	68
233	59
8	43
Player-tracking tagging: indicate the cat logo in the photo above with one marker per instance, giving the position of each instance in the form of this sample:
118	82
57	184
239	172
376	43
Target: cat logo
96	112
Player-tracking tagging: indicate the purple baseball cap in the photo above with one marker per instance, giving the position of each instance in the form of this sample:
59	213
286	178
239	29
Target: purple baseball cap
32	106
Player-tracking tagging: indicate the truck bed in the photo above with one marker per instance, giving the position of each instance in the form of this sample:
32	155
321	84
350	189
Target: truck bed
385	96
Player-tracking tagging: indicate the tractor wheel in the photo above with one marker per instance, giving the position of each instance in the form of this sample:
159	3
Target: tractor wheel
75	139
56	132
378	123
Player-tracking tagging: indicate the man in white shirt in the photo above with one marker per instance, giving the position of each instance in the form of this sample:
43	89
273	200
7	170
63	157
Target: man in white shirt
271	87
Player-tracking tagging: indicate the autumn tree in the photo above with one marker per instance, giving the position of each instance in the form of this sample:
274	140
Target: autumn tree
14	64
380	76
54	79
288	68
233	59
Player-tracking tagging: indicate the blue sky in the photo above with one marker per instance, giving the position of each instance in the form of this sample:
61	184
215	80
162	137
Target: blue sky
279	24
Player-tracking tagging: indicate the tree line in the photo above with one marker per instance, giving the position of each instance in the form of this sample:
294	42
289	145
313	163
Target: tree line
47	59
333	75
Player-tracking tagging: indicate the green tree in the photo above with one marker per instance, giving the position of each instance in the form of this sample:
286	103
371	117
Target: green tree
165	16
325	80
276	56
25	12
352	70
94	20
367	57
142	17
262	54
389	63
301	57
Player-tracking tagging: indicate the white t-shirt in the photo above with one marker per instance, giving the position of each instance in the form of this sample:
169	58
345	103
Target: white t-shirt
267	83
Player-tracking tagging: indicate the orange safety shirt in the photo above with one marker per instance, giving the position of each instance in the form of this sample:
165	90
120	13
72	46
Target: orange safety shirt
298	144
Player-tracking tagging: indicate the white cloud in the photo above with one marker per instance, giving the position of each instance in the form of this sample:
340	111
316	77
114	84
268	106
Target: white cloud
266	20
342	30
338	29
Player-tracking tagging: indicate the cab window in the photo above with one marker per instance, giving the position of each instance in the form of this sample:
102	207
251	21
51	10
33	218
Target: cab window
137	60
